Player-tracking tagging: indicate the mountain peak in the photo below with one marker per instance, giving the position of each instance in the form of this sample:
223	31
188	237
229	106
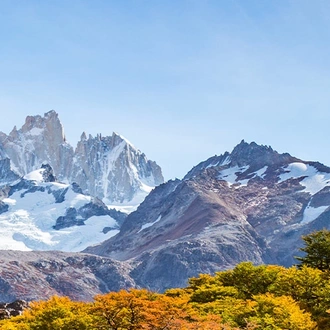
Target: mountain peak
40	140
44	174
253	155
40	122
83	136
116	135
51	113
107	167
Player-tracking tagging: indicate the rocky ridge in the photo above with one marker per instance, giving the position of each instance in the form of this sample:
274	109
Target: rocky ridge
109	168
251	204
40	275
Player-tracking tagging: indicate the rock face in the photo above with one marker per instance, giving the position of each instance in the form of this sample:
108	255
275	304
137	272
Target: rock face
7	176
15	308
109	168
40	275
112	169
40	140
251	204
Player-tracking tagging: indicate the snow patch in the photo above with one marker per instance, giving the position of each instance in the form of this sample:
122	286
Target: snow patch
9	201
108	164
229	174
314	180
28	223
260	173
311	213
149	224
125	140
226	161
132	205
36	131
35	175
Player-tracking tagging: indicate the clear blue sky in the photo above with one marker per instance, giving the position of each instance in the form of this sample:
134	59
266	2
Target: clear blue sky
182	80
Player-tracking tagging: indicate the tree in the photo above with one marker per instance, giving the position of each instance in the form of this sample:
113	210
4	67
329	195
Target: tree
57	313
317	250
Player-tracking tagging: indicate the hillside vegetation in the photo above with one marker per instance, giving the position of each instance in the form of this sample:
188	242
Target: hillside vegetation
246	297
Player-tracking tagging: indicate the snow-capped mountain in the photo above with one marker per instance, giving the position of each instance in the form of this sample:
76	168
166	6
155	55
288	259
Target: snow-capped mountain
40	141
251	204
39	213
109	167
113	169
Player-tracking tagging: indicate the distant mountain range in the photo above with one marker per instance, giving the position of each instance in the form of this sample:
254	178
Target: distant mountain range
252	204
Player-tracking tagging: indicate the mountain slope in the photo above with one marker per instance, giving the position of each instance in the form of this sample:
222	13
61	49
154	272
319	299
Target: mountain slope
40	275
39	213
250	204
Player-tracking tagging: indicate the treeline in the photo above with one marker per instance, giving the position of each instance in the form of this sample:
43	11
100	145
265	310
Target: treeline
246	297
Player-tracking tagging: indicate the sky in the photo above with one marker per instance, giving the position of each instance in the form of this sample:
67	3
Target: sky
182	80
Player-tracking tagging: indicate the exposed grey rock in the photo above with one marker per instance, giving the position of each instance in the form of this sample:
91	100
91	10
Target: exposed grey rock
40	141
111	168
3	207
6	174
15	308
48	173
68	220
40	275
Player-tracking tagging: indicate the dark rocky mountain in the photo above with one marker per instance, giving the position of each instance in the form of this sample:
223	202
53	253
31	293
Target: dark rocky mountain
40	275
108	168
251	204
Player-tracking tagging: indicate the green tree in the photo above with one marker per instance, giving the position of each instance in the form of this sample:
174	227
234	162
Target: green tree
248	279
317	250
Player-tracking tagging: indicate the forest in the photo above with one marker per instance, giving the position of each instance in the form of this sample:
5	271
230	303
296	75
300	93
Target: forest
247	297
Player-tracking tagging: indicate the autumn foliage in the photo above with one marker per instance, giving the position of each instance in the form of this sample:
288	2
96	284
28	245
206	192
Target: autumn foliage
247	297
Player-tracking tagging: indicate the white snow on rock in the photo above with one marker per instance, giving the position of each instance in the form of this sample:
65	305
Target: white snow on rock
226	161
261	172
230	175
35	175
314	180
28	224
311	213
36	131
149	224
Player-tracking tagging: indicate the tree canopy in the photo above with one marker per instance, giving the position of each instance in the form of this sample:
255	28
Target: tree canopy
249	297
317	250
